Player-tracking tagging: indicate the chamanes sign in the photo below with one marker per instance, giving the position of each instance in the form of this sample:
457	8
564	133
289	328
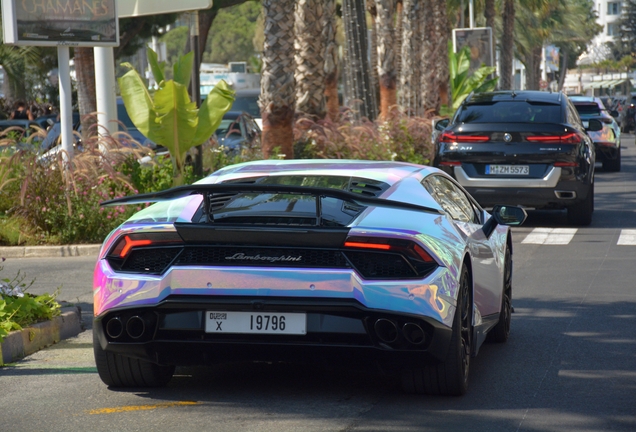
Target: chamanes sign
60	22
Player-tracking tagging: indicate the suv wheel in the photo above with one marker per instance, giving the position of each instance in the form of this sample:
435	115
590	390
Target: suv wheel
613	165
581	213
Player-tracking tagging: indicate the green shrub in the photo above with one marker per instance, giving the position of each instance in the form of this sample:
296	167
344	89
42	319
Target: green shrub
19	308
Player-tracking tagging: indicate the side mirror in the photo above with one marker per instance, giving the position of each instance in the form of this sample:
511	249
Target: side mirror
504	215
440	124
614	113
594	125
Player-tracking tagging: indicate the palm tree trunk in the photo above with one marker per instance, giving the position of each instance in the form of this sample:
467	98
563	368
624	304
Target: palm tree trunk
428	57
373	47
277	78
410	75
507	46
489	14
86	96
441	29
331	60
386	56
310	58
357	69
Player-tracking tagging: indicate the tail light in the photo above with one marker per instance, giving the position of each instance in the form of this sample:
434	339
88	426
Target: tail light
450	163
566	164
405	247
128	242
381	258
571	138
450	137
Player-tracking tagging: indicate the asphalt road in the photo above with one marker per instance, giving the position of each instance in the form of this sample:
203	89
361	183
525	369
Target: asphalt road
570	364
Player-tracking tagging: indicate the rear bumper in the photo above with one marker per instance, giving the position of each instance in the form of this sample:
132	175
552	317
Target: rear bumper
563	195
174	334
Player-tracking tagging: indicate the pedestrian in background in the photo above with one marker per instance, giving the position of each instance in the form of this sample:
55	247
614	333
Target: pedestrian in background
21	112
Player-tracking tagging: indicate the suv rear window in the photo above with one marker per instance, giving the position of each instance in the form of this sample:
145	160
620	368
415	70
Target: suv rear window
510	112
588	108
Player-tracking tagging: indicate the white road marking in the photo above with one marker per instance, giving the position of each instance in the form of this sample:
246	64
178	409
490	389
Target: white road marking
551	236
627	238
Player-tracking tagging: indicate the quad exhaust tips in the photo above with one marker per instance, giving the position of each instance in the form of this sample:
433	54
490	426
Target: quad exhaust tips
387	331
135	327
114	328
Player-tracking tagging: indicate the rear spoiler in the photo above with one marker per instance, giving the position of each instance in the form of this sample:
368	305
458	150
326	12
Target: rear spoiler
206	190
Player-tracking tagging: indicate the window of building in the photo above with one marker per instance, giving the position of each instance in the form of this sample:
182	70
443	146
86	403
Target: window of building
612	29
613	8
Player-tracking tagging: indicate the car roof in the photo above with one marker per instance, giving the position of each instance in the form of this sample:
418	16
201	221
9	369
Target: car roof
511	96
587	100
384	171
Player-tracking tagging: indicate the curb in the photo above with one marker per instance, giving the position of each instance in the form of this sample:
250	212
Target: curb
21	343
49	251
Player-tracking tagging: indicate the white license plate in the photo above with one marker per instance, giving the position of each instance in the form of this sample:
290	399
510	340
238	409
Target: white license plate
255	322
508	169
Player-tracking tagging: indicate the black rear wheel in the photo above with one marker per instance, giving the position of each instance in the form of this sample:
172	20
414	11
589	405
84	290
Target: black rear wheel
501	331
581	213
450	377
613	165
119	371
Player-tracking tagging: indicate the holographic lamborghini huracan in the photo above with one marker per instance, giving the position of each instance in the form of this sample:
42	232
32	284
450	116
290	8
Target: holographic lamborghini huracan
380	263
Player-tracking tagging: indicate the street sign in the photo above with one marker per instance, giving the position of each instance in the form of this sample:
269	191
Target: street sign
133	8
61	22
543	84
479	40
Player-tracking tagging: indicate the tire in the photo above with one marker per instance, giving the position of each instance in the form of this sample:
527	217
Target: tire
500	332
581	213
613	165
116	370
450	377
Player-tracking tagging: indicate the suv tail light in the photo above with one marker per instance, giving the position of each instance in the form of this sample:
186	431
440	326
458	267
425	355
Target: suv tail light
450	137
571	138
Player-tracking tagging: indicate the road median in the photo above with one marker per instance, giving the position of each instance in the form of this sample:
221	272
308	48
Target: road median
21	343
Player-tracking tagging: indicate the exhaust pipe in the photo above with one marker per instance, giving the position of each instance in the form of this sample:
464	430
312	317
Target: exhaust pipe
413	334
565	195
386	330
114	328
135	327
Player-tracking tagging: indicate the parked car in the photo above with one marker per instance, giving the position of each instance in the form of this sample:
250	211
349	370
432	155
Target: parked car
527	148
238	129
607	141
379	263
247	100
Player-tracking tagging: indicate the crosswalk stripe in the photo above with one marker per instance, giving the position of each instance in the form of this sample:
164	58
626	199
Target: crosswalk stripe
550	236
627	237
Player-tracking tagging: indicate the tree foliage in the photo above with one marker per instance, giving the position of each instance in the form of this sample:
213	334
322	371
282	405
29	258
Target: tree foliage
232	33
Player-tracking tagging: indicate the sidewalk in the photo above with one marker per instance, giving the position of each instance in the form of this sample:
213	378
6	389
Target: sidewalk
49	251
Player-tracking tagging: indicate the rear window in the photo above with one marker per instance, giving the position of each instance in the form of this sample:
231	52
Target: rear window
510	112
249	104
588	109
291	208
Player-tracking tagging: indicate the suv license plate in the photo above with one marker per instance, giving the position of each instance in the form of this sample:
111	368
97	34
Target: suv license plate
508	169
255	322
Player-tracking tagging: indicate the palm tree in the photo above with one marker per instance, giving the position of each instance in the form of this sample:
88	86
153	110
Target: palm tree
84	60
441	29
357	69
13	61
277	78
310	58
410	68
386	64
331	60
506	56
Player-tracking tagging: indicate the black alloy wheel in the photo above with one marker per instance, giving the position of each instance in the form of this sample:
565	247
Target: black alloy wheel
449	377
581	214
501	331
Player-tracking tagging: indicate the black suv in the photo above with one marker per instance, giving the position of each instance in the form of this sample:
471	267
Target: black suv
526	148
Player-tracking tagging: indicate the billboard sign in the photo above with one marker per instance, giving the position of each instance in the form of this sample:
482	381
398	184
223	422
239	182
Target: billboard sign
479	40
552	58
60	22
133	8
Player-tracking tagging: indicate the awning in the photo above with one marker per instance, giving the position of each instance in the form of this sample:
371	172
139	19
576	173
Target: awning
607	83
